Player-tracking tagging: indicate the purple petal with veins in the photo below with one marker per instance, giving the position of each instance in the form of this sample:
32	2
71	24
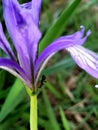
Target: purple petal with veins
86	59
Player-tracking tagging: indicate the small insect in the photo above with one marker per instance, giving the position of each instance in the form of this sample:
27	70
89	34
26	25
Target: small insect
43	80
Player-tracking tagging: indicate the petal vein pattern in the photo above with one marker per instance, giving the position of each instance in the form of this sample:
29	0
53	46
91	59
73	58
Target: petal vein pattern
86	59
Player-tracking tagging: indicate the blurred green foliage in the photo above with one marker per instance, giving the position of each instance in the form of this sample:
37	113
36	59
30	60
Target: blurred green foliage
68	100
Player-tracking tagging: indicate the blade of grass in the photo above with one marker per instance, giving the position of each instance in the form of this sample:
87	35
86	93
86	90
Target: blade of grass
50	112
59	26
64	120
14	97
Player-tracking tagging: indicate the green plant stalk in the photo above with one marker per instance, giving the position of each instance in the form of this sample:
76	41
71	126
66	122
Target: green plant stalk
33	112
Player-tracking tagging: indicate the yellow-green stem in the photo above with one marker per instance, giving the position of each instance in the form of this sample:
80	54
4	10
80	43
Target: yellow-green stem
33	112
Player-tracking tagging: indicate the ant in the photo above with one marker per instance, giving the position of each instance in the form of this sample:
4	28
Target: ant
43	80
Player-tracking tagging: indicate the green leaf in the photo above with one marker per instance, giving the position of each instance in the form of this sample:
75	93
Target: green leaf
64	120
59	26
50	112
14	97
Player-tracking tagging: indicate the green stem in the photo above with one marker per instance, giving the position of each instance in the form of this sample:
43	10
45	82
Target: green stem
33	112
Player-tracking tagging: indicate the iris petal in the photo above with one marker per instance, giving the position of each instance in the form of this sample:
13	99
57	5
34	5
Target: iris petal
86	59
14	69
26	34
27	6
33	7
14	22
36	7
59	44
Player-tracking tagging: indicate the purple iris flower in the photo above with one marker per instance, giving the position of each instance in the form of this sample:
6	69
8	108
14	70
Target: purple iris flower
22	22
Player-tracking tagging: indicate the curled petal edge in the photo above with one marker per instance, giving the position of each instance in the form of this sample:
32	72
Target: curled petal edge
59	44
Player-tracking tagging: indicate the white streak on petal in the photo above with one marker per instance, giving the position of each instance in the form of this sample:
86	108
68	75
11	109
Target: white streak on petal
86	59
12	72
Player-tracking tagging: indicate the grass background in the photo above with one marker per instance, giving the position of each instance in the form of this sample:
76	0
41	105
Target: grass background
68	100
